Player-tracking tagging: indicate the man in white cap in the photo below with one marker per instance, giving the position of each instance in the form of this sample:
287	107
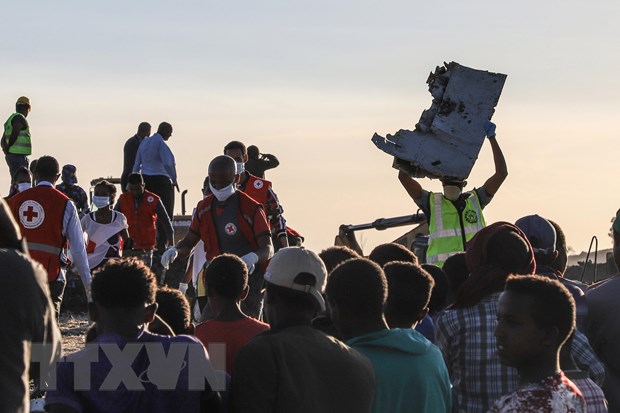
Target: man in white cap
294	367
16	143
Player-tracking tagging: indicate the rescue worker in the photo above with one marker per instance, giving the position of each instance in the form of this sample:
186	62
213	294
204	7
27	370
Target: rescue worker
455	216
16	143
229	221
70	188
260	190
48	219
143	209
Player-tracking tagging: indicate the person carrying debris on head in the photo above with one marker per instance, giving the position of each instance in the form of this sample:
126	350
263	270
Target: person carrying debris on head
455	216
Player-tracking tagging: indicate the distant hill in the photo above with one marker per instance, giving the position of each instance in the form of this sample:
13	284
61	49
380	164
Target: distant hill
601	257
605	266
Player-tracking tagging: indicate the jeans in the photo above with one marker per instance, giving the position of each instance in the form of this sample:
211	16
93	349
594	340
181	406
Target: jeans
14	162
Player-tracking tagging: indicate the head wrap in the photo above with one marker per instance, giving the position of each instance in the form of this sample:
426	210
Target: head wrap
485	275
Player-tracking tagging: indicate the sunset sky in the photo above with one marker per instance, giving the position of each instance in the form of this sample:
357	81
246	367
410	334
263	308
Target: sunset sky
312	81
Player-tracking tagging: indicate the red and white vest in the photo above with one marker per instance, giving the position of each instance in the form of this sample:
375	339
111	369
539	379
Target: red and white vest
40	212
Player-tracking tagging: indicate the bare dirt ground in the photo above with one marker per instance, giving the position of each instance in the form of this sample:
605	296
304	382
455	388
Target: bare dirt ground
73	328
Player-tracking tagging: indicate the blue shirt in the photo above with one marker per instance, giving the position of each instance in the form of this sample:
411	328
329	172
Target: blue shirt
155	158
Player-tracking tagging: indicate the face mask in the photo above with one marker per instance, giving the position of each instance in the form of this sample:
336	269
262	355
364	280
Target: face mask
452	192
23	186
101	201
240	168
224	193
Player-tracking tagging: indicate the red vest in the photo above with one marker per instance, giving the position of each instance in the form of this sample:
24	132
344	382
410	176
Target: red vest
40	212
208	234
257	188
142	221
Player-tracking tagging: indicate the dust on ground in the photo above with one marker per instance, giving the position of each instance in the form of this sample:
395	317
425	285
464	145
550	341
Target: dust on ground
73	328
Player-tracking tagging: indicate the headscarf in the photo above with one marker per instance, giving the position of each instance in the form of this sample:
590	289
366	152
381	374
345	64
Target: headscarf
486	276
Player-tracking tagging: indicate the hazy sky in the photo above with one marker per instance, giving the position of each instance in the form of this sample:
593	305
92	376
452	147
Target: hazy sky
312	81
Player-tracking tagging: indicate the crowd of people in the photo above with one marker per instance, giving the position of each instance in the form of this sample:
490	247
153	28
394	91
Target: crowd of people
486	322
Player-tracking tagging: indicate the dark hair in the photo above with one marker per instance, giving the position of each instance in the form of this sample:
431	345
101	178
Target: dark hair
135	178
409	292
235	145
560	262
144	126
293	300
359	286
22	170
227	276
441	288
21	106
455	267
253	152
553	305
173	308
126	283
384	253
33	165
164	128
205	183
107	185
336	255
47	167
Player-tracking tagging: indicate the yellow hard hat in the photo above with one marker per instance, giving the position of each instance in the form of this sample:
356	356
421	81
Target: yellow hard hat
23	101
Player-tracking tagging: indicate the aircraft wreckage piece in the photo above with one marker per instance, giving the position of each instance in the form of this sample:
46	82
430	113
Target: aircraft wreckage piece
447	139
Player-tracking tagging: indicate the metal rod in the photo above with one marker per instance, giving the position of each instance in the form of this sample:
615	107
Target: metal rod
385	223
594	240
183	201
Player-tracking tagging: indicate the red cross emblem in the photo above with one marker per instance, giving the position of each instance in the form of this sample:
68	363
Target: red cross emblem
231	229
31	214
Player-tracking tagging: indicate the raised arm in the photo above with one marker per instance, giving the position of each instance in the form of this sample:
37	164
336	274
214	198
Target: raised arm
501	169
413	188
270	161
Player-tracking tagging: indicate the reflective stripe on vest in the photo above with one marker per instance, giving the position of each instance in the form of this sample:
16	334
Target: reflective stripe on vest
445	226
22	145
50	249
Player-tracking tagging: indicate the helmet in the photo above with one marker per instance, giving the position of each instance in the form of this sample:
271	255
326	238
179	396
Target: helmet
23	101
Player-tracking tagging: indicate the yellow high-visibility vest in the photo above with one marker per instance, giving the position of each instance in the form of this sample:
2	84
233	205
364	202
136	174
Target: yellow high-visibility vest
22	145
449	230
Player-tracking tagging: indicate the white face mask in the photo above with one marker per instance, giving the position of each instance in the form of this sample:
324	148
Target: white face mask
23	186
240	168
101	201
224	193
452	192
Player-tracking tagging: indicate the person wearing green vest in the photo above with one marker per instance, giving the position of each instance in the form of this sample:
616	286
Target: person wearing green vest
16	143
455	216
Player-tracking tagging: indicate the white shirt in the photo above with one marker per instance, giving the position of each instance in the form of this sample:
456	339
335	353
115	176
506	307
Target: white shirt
99	235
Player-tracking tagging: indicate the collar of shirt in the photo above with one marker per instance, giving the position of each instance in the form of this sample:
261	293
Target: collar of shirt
45	183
